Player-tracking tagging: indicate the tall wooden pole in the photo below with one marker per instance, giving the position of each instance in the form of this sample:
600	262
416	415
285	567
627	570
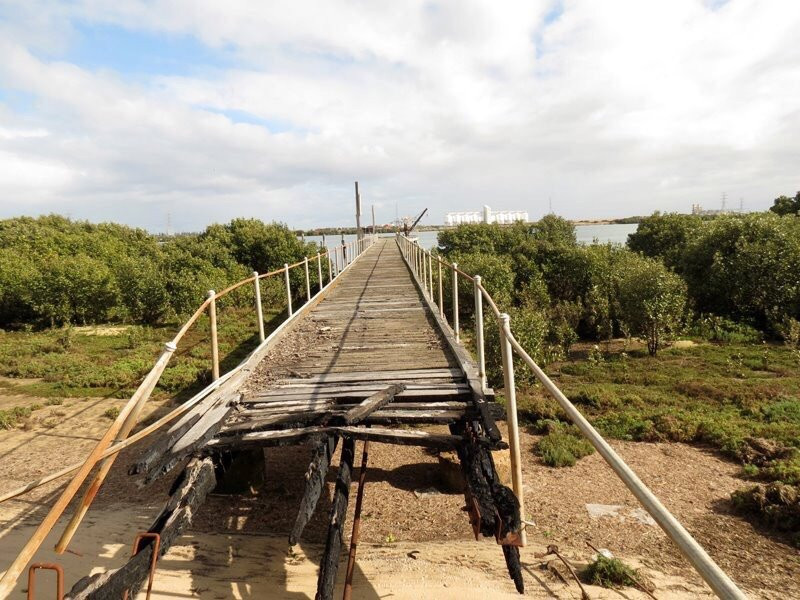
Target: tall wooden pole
358	213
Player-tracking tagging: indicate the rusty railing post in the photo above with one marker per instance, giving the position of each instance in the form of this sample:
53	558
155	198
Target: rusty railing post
50	567
351	560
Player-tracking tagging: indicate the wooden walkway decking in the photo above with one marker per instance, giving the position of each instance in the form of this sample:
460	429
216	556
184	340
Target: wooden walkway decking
379	331
380	358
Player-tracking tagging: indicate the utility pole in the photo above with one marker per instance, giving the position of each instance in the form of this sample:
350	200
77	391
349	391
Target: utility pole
359	235
373	219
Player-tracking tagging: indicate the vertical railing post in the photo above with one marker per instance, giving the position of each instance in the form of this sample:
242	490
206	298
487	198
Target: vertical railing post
441	291
479	330
288	288
424	270
456	329
259	309
430	275
319	270
511	417
308	280
212	315
330	265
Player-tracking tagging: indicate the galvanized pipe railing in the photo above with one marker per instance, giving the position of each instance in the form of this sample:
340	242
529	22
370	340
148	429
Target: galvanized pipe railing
116	438
713	575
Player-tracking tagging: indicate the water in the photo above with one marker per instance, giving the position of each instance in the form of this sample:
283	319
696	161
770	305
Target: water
615	233
586	234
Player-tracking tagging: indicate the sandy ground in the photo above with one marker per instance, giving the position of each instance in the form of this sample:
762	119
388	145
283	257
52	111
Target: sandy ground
415	544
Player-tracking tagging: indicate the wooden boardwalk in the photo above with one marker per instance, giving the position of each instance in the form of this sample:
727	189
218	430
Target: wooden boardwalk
382	362
379	332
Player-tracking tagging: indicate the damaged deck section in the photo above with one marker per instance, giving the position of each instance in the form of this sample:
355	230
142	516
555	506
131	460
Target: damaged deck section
380	356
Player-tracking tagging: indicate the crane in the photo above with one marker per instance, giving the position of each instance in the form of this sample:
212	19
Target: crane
406	229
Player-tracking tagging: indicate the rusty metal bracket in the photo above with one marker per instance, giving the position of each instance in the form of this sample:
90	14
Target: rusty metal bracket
52	567
156	546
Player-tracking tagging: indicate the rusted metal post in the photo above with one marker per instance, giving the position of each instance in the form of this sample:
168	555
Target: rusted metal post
479	330
259	309
288	288
441	291
212	315
308	280
156	547
319	270
351	560
51	567
513	424
455	303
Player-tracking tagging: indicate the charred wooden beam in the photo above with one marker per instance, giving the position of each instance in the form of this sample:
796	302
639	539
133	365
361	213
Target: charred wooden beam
184	425
406	437
315	483
189	492
373	403
329	563
203	430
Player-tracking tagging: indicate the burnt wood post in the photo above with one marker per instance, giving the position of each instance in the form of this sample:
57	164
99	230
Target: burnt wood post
315	482
329	563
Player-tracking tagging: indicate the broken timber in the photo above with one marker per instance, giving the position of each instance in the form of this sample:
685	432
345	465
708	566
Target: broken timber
383	356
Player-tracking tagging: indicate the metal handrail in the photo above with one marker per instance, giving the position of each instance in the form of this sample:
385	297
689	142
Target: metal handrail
116	437
716	578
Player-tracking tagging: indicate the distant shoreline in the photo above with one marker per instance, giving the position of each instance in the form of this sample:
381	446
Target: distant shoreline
384	229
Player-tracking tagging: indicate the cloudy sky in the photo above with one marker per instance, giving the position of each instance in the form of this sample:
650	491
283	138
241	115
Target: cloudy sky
130	110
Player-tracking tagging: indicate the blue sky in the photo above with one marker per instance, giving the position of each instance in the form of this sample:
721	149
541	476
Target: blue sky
140	53
205	111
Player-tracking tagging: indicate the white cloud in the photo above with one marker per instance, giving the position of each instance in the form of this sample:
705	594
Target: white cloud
612	108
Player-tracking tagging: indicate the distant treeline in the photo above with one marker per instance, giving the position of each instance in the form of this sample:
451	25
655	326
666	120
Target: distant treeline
55	271
736	272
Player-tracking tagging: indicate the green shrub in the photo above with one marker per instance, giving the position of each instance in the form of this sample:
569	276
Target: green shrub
652	302
610	573
530	327
720	329
562	446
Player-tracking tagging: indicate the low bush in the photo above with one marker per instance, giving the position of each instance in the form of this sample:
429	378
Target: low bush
610	573
562	445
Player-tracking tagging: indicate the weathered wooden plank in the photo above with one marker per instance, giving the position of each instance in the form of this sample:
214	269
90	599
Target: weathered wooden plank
377	374
357	394
256	410
372	404
364	386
